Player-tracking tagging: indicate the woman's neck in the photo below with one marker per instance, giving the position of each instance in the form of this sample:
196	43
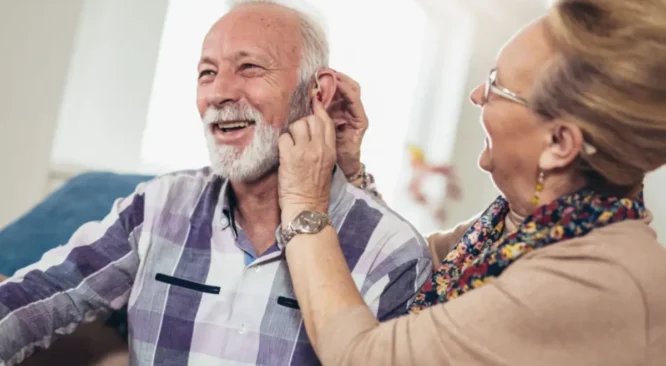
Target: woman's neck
556	185
512	222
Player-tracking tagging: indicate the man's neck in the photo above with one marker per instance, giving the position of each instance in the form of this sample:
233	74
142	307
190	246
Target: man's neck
257	210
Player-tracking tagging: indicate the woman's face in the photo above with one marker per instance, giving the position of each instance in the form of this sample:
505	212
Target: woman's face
515	137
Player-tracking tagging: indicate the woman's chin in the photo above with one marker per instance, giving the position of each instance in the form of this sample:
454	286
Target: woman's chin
485	162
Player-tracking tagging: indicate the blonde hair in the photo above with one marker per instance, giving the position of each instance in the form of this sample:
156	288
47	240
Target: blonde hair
609	78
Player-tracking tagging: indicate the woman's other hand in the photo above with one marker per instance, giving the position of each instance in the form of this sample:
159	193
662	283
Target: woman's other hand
347	111
307	158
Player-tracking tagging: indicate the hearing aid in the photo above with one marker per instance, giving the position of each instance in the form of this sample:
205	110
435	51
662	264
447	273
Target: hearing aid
317	85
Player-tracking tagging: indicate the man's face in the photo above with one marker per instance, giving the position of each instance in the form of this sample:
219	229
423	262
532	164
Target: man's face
248	88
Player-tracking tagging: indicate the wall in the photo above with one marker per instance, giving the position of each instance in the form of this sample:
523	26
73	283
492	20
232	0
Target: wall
36	40
655	199
105	101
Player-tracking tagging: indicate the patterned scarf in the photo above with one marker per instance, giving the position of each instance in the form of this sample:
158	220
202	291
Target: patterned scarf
482	253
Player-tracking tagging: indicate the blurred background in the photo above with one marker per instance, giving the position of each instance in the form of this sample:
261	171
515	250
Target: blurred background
109	85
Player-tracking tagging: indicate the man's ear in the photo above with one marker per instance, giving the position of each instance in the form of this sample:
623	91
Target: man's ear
565	143
327	84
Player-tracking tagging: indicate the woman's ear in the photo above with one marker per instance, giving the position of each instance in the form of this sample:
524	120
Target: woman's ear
326	84
565	142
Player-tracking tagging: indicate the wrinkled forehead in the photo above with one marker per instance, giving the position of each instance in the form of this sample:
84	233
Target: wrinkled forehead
522	59
257	27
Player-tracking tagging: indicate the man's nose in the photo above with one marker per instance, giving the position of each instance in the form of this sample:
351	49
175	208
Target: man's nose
226	89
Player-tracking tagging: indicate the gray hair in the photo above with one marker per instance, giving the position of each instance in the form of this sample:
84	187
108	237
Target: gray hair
315	44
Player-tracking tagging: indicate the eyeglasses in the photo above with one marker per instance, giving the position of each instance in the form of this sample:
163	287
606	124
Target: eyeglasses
493	87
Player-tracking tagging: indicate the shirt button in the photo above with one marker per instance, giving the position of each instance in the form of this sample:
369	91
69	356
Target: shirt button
225	223
241	330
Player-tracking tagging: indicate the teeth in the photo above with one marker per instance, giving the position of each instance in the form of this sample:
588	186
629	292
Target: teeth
226	125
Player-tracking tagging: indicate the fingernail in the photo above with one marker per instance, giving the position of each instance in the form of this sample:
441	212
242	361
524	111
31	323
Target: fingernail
319	98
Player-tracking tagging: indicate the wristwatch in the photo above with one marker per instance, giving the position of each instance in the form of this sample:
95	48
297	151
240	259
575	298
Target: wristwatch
307	222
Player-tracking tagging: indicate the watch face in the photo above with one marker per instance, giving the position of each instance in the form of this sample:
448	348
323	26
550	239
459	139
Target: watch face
309	222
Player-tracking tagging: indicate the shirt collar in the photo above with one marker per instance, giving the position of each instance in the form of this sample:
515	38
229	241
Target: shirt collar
338	187
226	199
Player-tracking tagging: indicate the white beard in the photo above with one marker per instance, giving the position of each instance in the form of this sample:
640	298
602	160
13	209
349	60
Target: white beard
242	164
261	155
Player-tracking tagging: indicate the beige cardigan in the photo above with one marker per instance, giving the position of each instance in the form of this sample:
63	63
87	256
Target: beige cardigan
595	300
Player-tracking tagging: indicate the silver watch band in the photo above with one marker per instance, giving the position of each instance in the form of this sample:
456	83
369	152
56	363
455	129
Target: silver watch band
286	234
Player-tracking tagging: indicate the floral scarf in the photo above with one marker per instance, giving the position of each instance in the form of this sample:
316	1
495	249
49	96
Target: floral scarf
482	253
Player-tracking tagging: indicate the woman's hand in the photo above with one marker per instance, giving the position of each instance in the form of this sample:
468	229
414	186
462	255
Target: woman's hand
307	158
347	111
322	282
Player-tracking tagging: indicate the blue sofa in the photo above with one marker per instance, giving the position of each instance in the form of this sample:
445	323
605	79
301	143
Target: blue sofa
87	197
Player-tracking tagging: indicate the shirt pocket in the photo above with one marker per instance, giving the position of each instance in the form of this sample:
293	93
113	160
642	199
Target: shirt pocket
194	286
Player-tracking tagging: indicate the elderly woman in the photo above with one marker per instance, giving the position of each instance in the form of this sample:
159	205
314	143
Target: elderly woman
562	269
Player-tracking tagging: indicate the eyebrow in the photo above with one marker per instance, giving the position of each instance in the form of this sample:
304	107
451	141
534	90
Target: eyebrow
239	55
207	60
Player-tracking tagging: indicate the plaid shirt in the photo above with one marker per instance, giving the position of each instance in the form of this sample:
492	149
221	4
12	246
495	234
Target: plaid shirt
196	292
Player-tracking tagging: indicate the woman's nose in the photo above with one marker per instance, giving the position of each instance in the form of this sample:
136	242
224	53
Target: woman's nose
477	95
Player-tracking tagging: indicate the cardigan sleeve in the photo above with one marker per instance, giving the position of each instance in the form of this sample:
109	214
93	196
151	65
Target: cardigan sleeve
571	309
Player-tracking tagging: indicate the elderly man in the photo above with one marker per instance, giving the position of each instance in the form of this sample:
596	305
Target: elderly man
198	256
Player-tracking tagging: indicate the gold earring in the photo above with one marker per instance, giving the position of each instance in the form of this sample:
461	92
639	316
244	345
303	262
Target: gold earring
539	189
